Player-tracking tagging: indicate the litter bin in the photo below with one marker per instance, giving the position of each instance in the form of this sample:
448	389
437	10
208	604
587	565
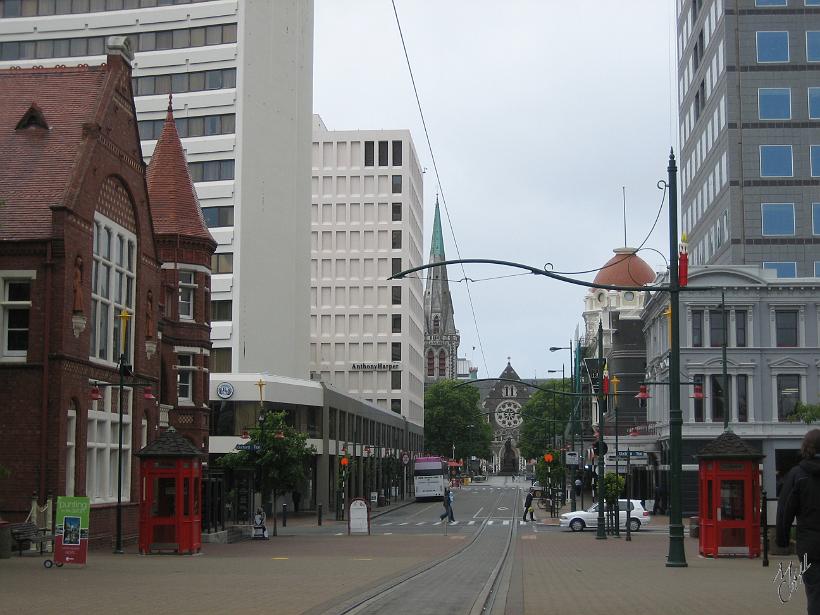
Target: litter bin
381	501
694	527
5	540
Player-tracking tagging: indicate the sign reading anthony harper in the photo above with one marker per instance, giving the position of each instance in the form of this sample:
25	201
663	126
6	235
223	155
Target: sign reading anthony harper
71	544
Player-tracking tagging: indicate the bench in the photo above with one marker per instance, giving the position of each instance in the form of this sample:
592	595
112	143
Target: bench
22	533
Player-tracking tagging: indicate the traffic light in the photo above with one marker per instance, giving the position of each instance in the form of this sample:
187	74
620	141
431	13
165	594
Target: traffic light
548	457
600	450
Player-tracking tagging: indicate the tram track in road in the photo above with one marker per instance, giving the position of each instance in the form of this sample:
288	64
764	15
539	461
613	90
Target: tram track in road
461	582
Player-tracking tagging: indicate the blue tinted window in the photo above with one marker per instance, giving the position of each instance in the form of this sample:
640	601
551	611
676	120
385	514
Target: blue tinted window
772	46
775	161
814	101
815	160
784	270
813	46
815	218
778	218
771	2
817	269
812	2
774	103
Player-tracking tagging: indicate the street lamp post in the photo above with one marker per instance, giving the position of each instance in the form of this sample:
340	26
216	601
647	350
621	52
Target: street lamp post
615	381
676	556
601	534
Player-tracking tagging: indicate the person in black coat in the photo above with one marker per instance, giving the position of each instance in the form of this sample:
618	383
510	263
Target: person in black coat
800	498
528	506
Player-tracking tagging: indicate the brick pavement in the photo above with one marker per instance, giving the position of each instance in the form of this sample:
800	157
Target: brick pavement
562	571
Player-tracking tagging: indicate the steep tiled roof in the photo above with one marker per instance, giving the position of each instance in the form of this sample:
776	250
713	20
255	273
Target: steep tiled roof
171	443
729	445
174	206
36	163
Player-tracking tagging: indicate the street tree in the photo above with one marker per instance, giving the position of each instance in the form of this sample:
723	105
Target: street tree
452	416
544	417
278	452
808	413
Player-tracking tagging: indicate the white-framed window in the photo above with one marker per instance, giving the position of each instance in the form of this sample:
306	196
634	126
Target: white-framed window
113	284
15	312
777	219
70	448
102	447
187	288
784	269
185	367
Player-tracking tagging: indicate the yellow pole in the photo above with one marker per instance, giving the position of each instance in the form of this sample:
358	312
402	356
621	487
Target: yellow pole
124	316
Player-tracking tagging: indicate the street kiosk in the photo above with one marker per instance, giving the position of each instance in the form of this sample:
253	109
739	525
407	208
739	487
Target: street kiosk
729	494
170	515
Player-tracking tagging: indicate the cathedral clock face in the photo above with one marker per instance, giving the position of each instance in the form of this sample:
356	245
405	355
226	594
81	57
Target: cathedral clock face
507	414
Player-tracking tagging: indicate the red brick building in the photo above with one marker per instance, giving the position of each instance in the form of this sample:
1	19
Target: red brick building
78	246
185	249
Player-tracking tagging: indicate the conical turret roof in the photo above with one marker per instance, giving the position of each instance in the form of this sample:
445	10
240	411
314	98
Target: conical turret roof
728	445
174	205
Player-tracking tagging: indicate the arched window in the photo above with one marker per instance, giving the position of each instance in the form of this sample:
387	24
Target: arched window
442	363
436	324
430	363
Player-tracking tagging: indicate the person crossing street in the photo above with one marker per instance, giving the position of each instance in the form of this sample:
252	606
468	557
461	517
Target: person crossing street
528	507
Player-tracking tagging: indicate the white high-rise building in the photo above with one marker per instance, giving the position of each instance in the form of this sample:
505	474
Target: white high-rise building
241	76
367	332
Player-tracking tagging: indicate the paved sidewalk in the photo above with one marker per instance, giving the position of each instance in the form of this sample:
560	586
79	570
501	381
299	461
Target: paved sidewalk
309	518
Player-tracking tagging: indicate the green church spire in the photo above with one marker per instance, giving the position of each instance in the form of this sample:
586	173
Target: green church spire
437	247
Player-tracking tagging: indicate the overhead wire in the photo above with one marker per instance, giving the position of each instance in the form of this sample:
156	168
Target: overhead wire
440	186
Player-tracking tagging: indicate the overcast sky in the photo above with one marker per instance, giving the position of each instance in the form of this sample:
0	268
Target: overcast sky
538	112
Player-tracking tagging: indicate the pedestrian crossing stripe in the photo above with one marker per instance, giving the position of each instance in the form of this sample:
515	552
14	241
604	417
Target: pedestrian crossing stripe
506	522
386	524
471	522
489	522
340	533
422	523
405	523
453	522
437	523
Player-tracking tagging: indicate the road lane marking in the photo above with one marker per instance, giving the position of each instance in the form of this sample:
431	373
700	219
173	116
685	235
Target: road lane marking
478	511
279	558
362	559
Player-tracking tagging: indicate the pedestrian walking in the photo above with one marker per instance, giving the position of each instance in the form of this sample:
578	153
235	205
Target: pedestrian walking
800	498
528	507
296	497
448	506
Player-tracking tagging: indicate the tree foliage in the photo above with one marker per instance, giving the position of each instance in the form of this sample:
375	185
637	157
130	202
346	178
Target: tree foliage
550	474
279	461
808	413
544	416
452	416
613	486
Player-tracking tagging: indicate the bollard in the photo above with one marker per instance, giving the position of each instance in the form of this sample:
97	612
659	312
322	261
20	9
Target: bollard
320	514
284	515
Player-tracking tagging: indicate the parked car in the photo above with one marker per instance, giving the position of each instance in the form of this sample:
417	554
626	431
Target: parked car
580	519
479	478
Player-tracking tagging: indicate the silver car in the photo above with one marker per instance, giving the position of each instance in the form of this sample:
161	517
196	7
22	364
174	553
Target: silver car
580	519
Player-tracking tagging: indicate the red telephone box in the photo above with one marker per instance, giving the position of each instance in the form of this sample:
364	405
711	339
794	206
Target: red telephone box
729	490
170	514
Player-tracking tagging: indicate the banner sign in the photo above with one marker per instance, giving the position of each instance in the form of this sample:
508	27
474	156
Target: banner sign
71	543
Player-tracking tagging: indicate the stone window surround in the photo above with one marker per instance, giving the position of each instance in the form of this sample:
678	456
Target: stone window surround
730	309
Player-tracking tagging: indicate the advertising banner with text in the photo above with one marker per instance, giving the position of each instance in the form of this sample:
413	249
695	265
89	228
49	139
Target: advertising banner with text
71	543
